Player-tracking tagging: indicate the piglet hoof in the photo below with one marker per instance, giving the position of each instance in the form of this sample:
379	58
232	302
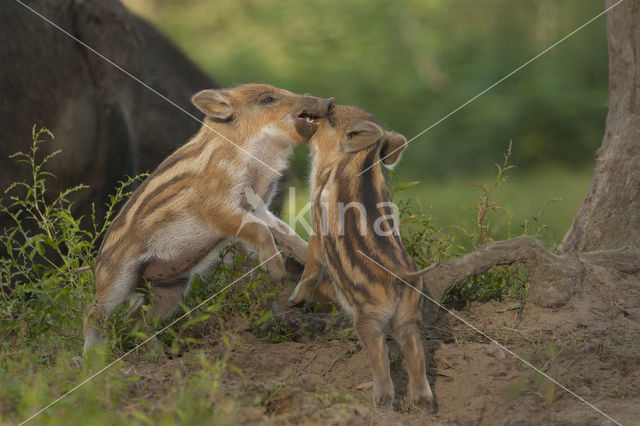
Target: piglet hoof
383	399
422	398
425	404
280	305
156	346
434	405
293	302
299	295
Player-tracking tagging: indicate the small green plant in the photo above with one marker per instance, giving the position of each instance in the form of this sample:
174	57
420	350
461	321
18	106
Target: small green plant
480	233
499	282
535	227
200	398
46	253
423	241
428	245
545	356
46	283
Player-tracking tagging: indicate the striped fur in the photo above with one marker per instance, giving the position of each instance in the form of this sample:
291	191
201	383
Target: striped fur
176	222
352	214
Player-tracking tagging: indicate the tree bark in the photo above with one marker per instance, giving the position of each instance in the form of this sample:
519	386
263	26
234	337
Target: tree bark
610	214
599	257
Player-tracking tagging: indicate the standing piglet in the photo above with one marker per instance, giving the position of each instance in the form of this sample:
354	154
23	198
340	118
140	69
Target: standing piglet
176	222
353	219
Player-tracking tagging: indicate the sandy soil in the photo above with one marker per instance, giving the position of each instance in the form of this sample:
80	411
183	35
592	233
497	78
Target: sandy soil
321	375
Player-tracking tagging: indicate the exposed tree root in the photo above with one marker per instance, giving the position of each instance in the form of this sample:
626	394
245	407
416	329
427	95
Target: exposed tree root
553	279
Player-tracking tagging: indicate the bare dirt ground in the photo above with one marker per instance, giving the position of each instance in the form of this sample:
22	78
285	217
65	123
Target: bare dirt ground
320	375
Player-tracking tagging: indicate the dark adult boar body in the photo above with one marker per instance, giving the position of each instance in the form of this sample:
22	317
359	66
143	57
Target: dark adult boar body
107	125
353	217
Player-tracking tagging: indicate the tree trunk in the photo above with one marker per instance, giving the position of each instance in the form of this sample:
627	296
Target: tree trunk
610	214
597	268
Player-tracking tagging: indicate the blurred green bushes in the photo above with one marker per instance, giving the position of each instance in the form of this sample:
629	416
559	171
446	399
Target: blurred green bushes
412	62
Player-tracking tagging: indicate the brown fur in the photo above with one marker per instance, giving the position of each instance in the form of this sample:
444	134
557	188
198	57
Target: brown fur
176	222
348	141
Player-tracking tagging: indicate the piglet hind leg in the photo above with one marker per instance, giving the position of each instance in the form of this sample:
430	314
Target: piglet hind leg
165	300
167	297
93	322
373	339
407	334
110	293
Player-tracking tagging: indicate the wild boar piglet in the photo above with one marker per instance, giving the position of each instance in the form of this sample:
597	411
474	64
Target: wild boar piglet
212	189
353	217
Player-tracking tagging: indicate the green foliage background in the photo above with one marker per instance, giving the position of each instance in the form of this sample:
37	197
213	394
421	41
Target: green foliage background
411	63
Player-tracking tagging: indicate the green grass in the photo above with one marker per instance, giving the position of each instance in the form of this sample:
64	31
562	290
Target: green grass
453	202
42	302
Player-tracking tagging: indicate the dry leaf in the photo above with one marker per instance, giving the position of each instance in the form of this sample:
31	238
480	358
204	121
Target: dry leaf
365	385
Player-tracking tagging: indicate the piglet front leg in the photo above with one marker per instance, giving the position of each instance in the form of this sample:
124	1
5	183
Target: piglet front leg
246	226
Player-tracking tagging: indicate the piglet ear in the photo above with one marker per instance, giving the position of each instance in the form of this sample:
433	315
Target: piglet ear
216	104
360	135
392	148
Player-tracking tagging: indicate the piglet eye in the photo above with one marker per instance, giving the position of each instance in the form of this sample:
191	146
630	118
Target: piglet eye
267	100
